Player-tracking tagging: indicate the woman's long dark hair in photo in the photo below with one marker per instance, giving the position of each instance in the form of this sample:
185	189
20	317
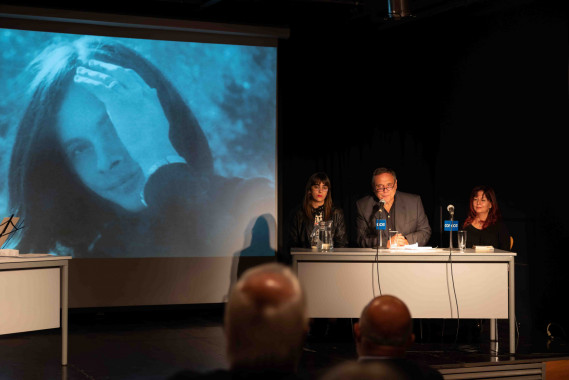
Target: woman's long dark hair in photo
58	212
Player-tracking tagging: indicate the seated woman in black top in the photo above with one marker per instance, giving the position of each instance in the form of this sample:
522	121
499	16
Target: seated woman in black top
484	223
317	206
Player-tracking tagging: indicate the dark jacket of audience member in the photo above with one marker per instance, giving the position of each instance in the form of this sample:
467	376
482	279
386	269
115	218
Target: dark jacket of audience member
384	332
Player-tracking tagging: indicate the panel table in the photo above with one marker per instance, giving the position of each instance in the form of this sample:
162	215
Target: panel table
34	295
434	283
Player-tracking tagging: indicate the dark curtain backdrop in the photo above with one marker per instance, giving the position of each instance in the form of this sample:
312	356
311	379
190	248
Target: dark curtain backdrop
473	96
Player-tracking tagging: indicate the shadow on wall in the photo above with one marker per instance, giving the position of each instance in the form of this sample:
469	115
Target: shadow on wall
258	250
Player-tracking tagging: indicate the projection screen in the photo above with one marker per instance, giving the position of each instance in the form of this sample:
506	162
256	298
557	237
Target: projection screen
150	160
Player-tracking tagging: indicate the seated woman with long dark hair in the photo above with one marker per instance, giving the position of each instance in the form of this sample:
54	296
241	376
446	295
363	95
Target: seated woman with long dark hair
484	223
316	206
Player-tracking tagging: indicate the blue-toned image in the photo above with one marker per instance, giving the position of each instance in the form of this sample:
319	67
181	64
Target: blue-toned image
116	147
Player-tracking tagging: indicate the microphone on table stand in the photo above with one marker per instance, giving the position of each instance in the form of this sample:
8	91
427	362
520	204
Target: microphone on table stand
450	209
381	205
378	221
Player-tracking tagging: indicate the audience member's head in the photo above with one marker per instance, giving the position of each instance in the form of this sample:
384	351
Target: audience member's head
385	328
365	370
265	320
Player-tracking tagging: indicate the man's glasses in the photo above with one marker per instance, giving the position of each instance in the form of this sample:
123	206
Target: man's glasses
384	188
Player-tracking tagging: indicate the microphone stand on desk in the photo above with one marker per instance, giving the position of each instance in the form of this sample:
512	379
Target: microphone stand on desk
379	244
450	233
379	237
451	212
379	213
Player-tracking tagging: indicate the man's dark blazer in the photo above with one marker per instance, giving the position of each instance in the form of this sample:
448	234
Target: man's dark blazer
225	374
409	369
410	220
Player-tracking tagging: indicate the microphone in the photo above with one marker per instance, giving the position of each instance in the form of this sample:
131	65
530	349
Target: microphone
381	205
450	209
379	222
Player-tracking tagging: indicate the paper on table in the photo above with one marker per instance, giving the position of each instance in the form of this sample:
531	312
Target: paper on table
416	246
9	252
483	248
412	246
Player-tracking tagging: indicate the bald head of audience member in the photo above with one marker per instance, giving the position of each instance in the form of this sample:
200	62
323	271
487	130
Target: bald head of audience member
265	320
385	328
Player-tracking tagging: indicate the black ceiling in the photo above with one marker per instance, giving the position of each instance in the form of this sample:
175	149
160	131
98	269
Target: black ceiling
278	13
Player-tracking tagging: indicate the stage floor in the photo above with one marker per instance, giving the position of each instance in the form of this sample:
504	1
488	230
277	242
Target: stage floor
153	343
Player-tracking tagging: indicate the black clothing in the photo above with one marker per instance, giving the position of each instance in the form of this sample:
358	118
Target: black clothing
390	226
411	369
187	215
496	235
300	228
222	374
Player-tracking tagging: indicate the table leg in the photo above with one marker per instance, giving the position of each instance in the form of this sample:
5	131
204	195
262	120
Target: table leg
493	338
64	306
512	307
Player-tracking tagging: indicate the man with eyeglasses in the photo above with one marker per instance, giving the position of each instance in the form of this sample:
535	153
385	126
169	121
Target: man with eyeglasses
403	212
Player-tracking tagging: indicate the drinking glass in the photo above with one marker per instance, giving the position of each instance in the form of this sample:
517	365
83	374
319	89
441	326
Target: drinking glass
325	243
461	239
392	235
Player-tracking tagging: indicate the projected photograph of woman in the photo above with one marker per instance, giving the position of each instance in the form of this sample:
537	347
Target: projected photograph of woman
109	160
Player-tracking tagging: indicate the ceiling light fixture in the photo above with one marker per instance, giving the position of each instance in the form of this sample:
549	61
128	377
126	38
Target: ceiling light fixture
397	9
